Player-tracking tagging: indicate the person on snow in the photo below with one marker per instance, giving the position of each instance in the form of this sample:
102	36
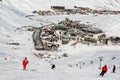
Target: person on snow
104	70
52	64
24	63
114	68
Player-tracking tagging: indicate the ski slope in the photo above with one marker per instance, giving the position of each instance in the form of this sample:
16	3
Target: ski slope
12	16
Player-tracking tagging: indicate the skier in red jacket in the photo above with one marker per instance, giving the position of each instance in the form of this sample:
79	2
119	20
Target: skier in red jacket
104	70
24	63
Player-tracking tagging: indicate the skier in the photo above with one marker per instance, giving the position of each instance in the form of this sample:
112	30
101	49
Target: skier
24	63
104	70
114	68
53	66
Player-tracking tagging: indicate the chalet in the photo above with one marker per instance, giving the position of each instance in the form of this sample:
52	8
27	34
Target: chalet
69	10
58	8
82	8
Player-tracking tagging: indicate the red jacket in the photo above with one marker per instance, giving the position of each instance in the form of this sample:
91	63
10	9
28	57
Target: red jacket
25	62
104	69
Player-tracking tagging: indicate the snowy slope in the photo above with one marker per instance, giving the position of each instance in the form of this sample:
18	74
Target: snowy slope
12	16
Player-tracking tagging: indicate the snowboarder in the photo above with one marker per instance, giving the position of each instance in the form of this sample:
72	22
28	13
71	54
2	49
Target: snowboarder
114	68
24	63
104	70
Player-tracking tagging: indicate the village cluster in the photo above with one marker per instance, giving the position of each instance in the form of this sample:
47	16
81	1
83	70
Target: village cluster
60	10
51	36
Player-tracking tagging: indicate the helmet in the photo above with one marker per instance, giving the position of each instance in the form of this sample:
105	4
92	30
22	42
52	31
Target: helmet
25	57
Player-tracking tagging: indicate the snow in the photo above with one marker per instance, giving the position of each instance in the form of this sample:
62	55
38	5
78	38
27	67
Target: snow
12	16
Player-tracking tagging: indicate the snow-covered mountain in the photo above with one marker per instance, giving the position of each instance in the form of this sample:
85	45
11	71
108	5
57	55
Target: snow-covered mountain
12	16
14	10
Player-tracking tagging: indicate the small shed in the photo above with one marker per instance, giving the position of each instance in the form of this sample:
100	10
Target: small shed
57	7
